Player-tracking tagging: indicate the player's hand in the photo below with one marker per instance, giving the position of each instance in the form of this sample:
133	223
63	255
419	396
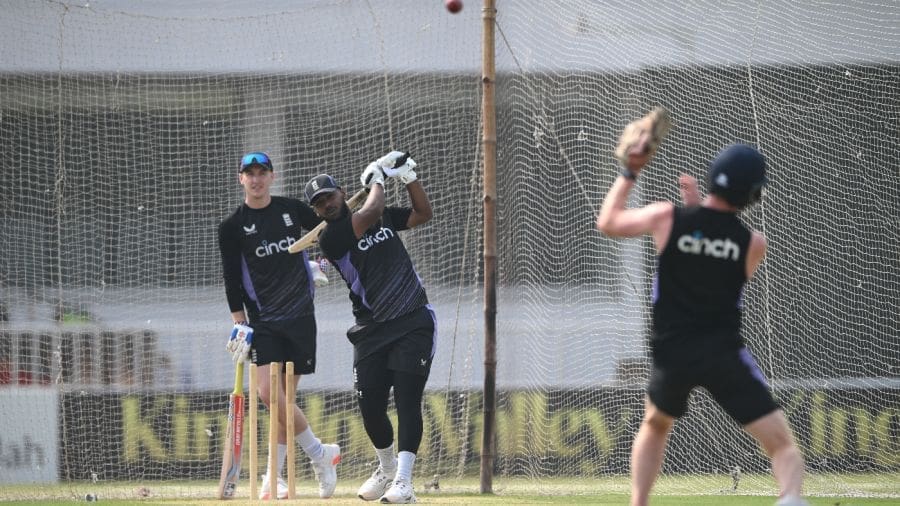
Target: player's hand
690	192
372	175
393	160
319	276
399	164
240	342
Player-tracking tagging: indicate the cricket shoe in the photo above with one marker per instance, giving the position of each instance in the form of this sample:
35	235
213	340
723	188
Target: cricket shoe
791	500
376	485
326	470
265	493
401	492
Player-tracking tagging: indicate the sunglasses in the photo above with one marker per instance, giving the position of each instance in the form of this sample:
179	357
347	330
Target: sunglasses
255	158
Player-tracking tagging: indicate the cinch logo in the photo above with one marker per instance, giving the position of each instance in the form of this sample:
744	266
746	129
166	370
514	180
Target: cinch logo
696	244
270	248
368	241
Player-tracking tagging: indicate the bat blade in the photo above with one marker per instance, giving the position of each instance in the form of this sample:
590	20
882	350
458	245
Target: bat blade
311	238
234	435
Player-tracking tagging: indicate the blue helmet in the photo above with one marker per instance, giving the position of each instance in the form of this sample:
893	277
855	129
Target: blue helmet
738	174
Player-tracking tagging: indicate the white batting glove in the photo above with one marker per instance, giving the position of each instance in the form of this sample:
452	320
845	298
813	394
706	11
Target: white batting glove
404	171
319	276
393	159
240	342
372	175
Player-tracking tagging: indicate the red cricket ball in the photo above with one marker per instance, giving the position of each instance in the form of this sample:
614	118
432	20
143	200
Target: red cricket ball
453	6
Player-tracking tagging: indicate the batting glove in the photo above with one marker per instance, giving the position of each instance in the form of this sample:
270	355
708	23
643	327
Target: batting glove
372	175
393	160
240	342
398	164
319	277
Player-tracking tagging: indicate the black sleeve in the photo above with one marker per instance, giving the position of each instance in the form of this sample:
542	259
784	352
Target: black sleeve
308	218
230	249
337	238
399	217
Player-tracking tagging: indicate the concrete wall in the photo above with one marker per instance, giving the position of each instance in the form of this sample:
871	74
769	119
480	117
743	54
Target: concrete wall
355	36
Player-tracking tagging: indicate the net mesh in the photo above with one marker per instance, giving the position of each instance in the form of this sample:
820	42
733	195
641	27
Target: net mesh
123	125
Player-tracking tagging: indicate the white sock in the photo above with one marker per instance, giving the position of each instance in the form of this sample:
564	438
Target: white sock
405	462
311	444
282	457
386	459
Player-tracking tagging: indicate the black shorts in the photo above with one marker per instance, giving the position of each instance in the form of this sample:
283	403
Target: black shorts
286	341
732	379
404	344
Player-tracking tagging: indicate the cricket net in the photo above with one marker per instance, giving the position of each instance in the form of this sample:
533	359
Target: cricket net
123	125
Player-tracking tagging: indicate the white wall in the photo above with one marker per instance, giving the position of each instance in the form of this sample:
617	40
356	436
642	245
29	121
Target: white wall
29	439
360	36
567	341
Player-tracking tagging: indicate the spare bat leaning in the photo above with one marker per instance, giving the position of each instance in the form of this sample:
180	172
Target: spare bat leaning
234	433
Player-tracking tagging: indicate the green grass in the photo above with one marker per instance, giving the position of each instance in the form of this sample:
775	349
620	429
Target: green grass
705	490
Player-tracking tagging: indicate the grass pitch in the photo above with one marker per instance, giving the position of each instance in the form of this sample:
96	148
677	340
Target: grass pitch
695	490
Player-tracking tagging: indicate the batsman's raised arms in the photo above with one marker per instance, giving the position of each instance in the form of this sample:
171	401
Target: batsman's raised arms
312	237
400	165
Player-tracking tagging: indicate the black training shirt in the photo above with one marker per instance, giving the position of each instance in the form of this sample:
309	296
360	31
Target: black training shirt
699	284
377	269
260	275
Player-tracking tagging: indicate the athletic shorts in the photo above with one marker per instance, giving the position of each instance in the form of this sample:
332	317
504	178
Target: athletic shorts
732	378
286	341
403	344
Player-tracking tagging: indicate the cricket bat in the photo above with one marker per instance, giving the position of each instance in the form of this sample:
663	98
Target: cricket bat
234	434
311	238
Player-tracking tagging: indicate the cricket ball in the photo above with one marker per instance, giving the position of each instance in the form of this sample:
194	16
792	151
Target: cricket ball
453	6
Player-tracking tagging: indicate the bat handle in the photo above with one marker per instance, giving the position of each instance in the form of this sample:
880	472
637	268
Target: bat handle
400	161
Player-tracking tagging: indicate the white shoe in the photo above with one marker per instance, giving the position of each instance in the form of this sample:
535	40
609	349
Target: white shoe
791	500
401	492
376	485
325	470
264	491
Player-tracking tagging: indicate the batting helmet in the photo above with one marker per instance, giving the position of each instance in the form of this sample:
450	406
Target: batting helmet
738	174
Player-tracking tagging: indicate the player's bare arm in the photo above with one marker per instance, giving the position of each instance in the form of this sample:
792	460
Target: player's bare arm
689	189
238	316
637	146
373	207
615	220
399	165
421	206
755	252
